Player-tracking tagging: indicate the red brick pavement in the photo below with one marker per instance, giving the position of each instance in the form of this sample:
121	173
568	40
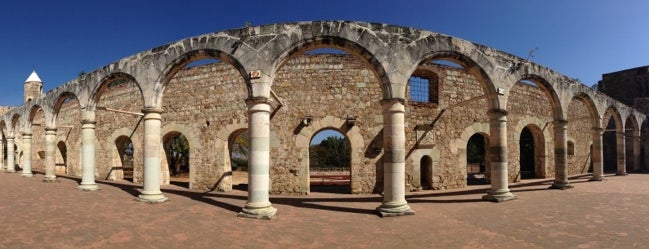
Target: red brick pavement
609	214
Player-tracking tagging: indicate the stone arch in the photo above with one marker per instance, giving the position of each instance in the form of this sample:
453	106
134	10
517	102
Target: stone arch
612	112
223	164
592	108
58	103
329	41
111	153
472	67
303	141
459	147
543	148
61	158
550	93
173	129
105	83
632	140
424	177
184	59
15	123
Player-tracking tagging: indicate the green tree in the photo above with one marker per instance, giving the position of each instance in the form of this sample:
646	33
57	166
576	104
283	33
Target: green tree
240	150
332	152
177	150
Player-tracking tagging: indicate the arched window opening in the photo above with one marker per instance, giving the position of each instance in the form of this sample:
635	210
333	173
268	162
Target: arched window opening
239	151
177	151
527	155
610	147
476	159
61	159
329	162
571	148
426	171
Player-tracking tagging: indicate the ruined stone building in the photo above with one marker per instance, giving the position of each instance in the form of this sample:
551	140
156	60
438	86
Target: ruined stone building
631	87
410	103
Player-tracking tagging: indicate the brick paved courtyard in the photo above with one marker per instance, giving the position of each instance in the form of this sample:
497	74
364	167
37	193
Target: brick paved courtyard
610	214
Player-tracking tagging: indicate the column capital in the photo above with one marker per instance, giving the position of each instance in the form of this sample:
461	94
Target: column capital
393	100
50	129
88	121
27	134
560	122
10	137
148	110
257	100
598	129
497	113
394	105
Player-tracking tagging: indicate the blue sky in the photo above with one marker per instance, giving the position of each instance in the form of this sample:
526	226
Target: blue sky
579	38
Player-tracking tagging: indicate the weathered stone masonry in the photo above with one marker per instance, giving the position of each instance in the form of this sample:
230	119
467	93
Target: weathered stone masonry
264	83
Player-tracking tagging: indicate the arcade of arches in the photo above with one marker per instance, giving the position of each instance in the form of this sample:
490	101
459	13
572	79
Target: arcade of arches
221	125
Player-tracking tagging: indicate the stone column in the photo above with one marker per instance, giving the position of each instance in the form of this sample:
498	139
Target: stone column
499	191
50	149
152	143
394	158
636	153
561	155
27	154
258	205
11	165
621	154
2	154
88	152
598	155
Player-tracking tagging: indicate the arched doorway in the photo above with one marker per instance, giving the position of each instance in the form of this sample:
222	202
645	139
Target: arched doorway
426	172
61	159
527	155
610	147
124	157
177	151
239	146
477	159
329	162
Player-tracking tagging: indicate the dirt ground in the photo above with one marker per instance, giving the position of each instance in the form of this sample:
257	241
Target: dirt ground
609	214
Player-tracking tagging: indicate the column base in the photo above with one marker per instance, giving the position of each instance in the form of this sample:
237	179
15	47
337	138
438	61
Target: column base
151	198
88	187
596	179
27	174
499	196
50	179
621	173
561	185
264	212
10	171
392	210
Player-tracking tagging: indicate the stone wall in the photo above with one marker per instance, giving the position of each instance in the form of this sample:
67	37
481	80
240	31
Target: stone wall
207	104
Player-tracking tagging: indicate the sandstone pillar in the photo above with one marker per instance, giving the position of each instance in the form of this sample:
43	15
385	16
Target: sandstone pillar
152	142
2	154
50	149
11	165
561	155
88	153
636	153
499	191
598	155
27	154
621	154
258	205
394	158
